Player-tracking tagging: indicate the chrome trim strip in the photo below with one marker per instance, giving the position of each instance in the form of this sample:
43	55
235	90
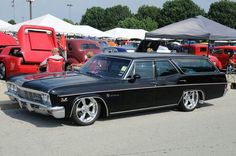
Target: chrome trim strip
95	97
197	84
142	109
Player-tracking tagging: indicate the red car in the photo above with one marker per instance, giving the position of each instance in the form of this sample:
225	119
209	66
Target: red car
35	44
223	53
201	50
79	51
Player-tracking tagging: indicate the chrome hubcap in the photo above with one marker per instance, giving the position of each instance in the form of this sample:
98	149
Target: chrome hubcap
86	109
2	71
190	99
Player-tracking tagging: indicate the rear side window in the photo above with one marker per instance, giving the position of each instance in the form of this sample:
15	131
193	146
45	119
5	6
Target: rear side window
195	65
165	68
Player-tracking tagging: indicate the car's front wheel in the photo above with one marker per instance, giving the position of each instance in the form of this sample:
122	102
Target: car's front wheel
86	110
2	71
190	100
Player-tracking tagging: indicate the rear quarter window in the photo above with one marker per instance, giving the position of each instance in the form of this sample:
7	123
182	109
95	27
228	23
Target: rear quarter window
195	65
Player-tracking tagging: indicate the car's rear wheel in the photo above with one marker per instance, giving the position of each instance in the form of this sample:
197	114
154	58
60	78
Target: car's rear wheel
86	110
190	100
2	71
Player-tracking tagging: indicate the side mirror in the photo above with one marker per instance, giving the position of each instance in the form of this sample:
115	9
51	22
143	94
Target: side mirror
133	78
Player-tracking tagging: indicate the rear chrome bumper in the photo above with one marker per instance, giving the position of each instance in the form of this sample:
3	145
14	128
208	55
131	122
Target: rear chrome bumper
57	111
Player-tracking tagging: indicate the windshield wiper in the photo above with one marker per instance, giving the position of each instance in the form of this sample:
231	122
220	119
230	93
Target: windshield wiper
94	74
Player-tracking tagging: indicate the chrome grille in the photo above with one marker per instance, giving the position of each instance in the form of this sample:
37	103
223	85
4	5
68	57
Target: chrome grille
35	97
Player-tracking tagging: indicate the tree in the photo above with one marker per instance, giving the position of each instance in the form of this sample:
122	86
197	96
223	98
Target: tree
68	20
146	11
12	22
223	12
134	23
177	10
115	14
94	17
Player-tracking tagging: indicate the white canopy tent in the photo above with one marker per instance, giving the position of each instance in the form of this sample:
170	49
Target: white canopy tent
59	25
87	30
127	33
4	24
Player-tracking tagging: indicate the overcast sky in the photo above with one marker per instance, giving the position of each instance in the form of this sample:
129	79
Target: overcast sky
60	9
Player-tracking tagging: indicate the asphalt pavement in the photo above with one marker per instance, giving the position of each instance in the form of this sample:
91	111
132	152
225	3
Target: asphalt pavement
208	130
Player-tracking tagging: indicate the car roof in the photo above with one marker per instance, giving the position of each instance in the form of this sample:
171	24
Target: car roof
141	55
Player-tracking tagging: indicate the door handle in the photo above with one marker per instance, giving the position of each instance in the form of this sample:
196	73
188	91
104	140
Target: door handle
183	80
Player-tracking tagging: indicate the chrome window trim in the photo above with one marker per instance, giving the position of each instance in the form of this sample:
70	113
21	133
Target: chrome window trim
196	84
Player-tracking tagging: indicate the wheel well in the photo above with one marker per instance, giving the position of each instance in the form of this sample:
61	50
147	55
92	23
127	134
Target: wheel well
200	93
104	109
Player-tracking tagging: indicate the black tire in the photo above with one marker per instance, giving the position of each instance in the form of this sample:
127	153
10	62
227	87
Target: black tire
2	71
189	101
86	111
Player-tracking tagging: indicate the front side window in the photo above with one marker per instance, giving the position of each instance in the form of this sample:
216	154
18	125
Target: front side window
194	65
88	46
144	69
106	66
165	68
217	51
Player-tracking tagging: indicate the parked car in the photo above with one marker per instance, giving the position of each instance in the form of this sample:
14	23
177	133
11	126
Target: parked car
77	50
201	50
35	44
223	54
113	50
112	84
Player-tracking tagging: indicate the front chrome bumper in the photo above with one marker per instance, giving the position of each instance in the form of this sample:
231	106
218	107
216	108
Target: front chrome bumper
57	111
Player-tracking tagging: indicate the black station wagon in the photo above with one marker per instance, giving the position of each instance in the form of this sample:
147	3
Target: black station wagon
120	83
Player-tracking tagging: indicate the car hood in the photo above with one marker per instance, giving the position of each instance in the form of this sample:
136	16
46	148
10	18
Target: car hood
46	82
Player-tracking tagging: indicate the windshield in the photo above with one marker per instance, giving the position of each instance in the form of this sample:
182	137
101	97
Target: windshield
103	66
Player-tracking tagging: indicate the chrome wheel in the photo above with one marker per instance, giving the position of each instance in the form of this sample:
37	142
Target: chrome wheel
86	111
190	100
2	71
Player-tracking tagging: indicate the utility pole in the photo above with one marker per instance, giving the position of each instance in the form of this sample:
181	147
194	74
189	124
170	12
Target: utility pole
13	6
30	6
69	6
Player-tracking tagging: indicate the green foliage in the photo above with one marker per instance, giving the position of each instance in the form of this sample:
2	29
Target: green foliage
223	12
115	14
134	23
94	17
68	20
177	10
12	22
146	11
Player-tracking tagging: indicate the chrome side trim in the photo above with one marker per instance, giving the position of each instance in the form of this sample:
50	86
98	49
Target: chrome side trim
95	97
142	109
95	92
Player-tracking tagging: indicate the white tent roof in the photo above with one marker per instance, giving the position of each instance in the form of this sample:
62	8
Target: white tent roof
127	33
4	24
87	30
59	25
